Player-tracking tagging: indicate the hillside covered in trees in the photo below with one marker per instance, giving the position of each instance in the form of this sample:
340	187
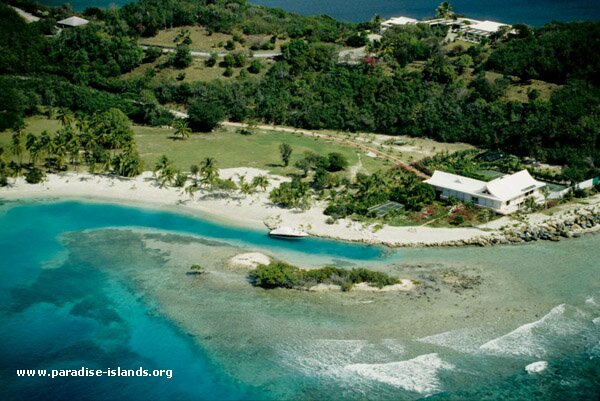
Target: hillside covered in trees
410	82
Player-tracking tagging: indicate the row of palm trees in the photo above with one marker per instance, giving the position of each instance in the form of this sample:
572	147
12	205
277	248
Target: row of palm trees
103	148
204	176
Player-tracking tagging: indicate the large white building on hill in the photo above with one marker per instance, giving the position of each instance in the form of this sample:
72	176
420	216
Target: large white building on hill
468	29
503	195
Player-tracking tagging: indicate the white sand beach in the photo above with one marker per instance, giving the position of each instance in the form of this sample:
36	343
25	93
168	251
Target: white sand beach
252	211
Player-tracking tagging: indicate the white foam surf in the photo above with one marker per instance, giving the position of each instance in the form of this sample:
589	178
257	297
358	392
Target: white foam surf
533	339
327	357
465	340
536	367
418	375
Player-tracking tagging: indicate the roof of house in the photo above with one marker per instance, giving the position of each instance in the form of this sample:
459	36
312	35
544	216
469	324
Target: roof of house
73	21
400	21
514	185
486	26
25	15
504	188
456	182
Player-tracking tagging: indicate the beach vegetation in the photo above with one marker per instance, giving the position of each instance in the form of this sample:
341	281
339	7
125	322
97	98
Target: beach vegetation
294	194
260	181
209	173
34	176
180	179
278	274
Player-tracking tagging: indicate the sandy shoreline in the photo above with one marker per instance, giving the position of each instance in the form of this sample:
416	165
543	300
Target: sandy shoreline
251	211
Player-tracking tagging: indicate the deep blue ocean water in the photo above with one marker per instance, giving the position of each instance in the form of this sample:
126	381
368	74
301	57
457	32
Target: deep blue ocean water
533	12
64	305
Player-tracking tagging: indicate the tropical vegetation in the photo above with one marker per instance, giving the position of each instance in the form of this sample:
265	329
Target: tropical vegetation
278	274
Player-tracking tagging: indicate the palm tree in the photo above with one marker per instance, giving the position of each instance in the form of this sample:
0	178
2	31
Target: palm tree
107	163
127	163
245	187
192	188
65	117
17	146
162	163
82	124
2	162
181	129
376	21
165	170
60	151
194	170
166	176
32	144
260	181
44	144
444	10
209	171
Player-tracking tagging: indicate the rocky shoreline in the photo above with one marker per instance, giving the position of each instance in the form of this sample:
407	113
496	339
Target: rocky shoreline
571	224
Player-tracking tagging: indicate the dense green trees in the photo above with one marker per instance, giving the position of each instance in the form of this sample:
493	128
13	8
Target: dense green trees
555	53
89	55
205	115
410	42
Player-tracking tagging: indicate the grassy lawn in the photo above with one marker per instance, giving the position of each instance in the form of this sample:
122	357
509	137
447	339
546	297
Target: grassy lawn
231	149
518	92
260	150
196	72
202	40
458	44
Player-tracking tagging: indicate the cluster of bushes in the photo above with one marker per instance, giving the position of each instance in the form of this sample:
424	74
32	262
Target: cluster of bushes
333	162
278	274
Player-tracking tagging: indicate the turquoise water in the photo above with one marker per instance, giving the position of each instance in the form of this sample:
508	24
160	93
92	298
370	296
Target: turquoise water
533	12
87	285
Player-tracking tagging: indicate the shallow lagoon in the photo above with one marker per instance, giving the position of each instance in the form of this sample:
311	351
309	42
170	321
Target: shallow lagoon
100	285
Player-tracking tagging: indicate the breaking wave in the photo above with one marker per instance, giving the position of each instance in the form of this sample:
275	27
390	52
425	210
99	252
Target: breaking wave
418	375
